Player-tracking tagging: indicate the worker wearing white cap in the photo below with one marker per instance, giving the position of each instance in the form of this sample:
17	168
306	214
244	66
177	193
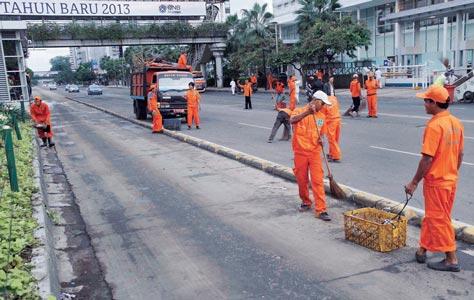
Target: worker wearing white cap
308	127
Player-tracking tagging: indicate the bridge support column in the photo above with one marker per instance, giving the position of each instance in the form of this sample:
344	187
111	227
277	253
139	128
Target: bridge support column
218	53
203	70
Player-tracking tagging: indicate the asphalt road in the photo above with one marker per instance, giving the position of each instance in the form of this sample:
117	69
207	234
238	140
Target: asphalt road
379	155
170	221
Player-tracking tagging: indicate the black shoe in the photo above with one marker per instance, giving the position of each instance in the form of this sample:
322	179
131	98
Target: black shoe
334	160
323	216
420	258
269	141
189	127
51	144
304	207
442	266
197	127
43	145
374	117
369	117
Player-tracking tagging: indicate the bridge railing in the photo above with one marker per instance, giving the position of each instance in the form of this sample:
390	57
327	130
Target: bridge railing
119	31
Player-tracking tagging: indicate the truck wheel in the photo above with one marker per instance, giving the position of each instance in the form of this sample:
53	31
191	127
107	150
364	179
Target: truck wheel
468	96
140	110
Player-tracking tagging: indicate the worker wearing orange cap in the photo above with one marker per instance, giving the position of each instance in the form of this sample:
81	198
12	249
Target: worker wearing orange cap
442	154
153	107
41	116
308	127
194	101
183	59
371	85
292	90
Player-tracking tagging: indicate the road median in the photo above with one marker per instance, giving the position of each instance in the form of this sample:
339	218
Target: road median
464	231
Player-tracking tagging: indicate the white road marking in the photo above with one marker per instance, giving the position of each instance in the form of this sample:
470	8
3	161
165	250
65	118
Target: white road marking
256	126
469	252
416	117
469	138
410	153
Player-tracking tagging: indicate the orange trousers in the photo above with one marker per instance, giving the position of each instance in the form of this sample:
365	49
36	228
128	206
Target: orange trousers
157	121
437	233
372	105
333	134
193	114
306	165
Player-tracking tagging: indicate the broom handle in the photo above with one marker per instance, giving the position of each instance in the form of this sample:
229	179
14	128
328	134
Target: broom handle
322	147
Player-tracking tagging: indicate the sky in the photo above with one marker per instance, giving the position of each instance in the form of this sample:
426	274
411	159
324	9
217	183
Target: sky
39	58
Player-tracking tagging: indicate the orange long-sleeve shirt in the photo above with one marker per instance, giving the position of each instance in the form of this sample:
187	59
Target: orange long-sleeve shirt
355	88
305	135
41	113
193	98
371	86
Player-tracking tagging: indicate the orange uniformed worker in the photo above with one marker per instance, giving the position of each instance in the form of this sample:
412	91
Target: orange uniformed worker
355	93
292	90
308	127
253	79
41	116
333	132
371	85
442	154
247	87
183	59
194	102
153	107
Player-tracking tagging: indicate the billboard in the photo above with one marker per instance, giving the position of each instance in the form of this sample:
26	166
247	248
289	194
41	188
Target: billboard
84	8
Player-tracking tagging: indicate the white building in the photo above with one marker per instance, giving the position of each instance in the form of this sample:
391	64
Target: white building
407	31
78	55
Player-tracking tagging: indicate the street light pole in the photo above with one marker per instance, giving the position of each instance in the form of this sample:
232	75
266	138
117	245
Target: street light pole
276	37
264	69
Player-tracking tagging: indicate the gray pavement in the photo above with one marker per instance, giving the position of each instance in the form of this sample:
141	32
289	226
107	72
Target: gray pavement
171	221
379	155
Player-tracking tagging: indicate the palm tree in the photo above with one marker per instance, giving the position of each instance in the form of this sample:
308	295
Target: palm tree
257	20
311	10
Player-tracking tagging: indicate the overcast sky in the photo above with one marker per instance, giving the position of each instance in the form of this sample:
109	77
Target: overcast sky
39	58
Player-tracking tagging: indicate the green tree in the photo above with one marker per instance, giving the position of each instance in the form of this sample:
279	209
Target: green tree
60	63
84	73
135	56
116	69
313	10
247	39
324	38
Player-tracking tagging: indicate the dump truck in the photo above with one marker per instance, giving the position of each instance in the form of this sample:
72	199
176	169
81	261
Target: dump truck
172	81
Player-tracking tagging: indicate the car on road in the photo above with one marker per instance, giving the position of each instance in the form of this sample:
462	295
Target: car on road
94	89
52	86
73	89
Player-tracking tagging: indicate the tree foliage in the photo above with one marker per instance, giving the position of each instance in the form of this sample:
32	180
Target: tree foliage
84	73
60	63
324	34
248	37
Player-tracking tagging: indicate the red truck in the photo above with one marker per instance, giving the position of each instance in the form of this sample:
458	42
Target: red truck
172	82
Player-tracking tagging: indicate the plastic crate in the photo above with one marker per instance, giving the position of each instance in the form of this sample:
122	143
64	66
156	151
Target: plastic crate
375	229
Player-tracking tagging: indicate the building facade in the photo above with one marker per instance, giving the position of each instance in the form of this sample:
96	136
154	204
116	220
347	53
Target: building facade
78	55
408	32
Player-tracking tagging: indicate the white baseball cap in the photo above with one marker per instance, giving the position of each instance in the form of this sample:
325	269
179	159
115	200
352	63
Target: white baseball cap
322	96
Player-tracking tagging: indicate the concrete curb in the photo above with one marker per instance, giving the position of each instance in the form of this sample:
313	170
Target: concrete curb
464	231
43	257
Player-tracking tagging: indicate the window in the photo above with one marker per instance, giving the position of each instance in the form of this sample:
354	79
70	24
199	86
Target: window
382	11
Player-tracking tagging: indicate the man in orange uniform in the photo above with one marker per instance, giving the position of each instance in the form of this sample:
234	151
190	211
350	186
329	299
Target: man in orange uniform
270	81
194	102
292	89
183	59
355	93
308	127
247	87
442	154
153	107
371	86
333	133
41	115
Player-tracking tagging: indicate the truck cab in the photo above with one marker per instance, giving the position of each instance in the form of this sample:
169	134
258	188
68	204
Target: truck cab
199	81
172	83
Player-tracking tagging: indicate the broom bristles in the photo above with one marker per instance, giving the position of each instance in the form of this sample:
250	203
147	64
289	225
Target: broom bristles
336	191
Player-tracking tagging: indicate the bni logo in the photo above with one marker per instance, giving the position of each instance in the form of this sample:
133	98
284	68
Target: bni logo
162	8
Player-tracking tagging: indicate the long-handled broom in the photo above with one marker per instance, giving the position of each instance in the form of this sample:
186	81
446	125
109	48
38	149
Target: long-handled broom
336	191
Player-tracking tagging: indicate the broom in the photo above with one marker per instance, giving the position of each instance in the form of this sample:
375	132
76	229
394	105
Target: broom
336	191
